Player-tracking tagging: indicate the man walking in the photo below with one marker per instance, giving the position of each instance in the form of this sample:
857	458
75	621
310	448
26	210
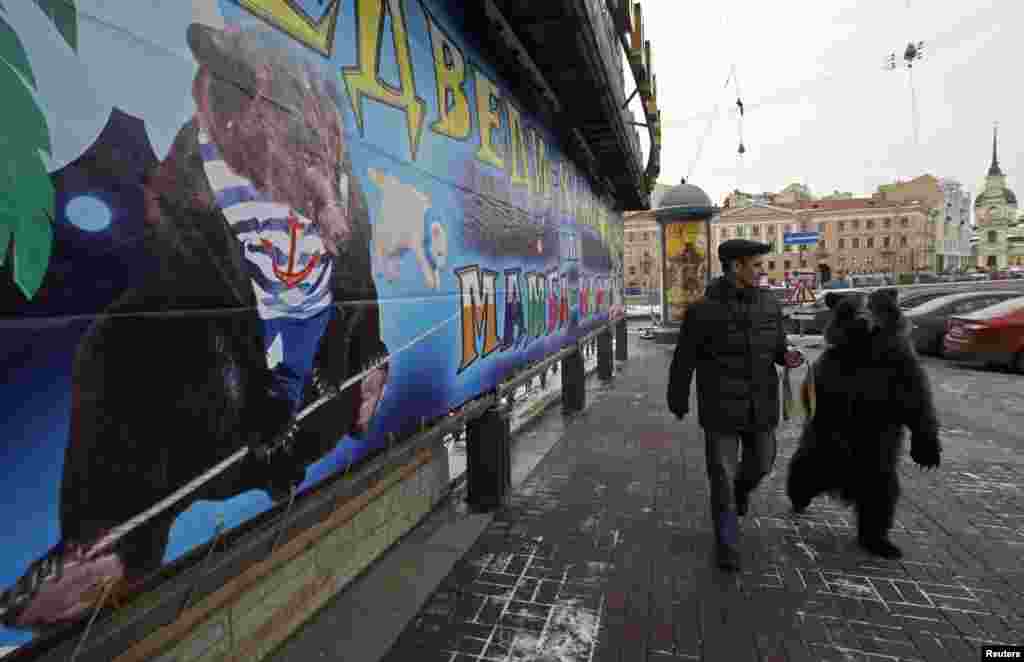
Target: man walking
733	338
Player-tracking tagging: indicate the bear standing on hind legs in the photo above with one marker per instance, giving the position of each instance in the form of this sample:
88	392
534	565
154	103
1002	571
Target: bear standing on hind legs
861	392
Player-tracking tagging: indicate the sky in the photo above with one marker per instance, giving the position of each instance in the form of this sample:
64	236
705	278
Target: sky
820	108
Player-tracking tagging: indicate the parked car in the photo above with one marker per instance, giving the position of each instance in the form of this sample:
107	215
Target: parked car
814	317
929	318
869	280
993	335
914	299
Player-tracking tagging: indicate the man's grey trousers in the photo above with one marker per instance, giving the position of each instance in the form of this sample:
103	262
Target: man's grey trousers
729	475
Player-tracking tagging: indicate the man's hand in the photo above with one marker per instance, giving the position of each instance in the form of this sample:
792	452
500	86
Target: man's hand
794	359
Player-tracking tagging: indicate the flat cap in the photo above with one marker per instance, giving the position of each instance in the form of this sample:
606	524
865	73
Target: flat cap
736	248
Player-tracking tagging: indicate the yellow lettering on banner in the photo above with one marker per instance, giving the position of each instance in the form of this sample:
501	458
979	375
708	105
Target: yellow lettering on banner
364	79
450	72
478	288
543	165
520	166
566	176
487	94
282	14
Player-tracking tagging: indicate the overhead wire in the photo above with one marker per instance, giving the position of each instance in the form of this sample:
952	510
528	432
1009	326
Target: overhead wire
707	129
963	31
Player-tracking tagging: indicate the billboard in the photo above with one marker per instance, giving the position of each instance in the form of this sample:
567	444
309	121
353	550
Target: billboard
243	243
686	266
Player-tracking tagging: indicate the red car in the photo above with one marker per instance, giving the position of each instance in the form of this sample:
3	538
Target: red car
990	335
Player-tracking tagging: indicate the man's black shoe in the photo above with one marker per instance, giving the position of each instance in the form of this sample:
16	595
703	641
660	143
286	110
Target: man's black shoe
727	557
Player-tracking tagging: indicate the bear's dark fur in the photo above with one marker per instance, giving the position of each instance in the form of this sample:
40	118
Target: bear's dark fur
866	387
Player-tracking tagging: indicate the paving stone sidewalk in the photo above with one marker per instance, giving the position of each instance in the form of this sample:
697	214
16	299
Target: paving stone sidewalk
604	554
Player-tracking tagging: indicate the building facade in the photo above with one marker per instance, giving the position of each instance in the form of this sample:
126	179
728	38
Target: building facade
642	252
641	255
999	242
859	235
953	229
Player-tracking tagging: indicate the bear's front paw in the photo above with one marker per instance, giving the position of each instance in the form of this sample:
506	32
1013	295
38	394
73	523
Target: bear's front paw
925	455
371	392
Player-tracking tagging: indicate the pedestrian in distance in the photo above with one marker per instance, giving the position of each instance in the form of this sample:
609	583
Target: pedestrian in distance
733	338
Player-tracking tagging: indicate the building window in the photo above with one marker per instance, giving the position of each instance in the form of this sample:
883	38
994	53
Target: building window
855	242
870	223
771	230
771	265
842	243
888	223
632	271
886	242
903	242
786	265
903	259
803	263
904	221
992	237
756	230
821	227
842	226
871	242
855	224
741	231
822	244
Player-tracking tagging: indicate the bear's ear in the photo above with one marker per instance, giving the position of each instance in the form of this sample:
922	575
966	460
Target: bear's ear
892	293
220	53
831	299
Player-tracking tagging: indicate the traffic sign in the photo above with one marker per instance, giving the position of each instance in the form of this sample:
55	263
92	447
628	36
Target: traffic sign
791	238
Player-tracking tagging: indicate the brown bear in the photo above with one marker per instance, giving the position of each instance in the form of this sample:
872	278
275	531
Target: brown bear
863	390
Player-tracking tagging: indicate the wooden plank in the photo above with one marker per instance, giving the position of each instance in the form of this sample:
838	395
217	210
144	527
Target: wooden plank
224	596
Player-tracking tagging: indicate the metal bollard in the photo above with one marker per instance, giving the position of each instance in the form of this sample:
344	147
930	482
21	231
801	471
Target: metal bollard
574	392
489	459
605	364
621	352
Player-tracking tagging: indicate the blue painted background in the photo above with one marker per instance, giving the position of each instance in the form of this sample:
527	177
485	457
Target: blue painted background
128	85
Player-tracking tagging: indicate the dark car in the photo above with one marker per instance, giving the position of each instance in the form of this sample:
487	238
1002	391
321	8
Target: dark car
915	299
814	317
929	319
990	335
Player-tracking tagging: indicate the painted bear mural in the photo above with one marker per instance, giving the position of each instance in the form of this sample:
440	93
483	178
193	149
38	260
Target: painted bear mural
264	302
865	388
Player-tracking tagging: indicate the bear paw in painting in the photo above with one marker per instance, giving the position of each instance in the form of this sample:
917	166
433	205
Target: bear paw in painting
371	392
65	585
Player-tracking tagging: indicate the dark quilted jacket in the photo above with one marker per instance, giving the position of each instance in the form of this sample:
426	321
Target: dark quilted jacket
733	338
